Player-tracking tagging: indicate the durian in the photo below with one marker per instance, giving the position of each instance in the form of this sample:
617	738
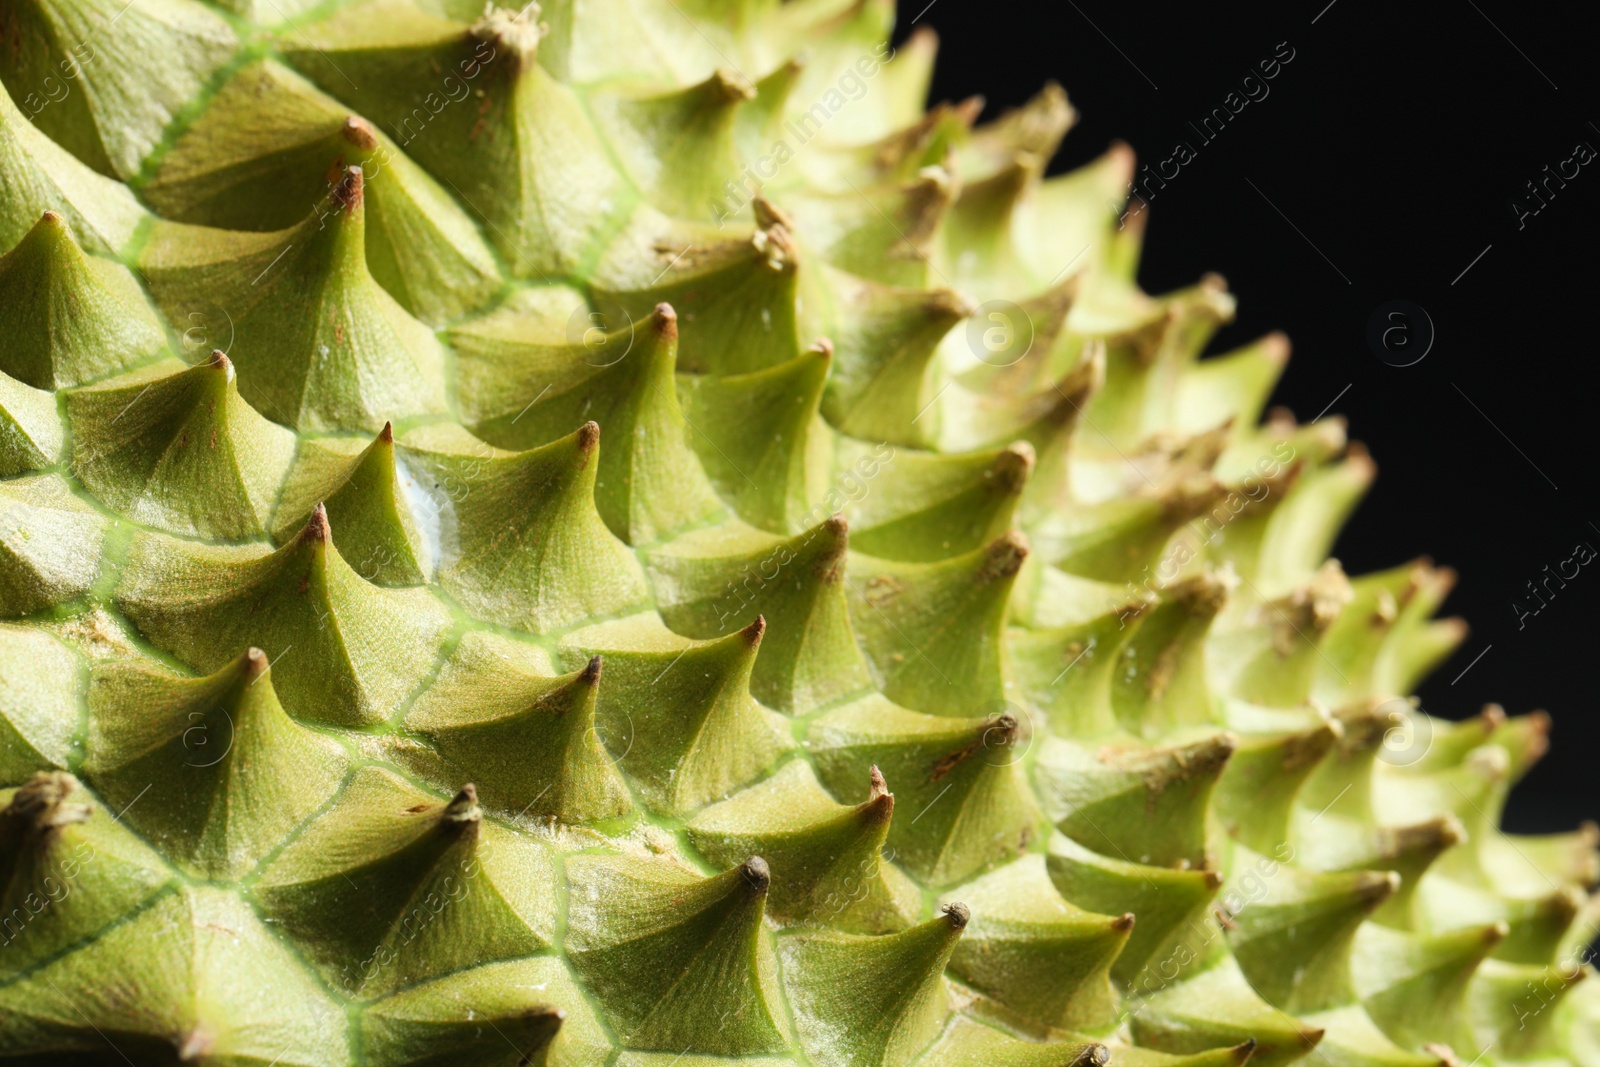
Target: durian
606	535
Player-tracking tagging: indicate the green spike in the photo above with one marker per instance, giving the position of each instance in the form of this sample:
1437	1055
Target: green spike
937	505
715	581
31	435
894	153
1536	925
1351	1037
1406	850
344	651
225	171
600	40
1354	642
676	147
1217	1009
679	713
1150	801
1066	672
1275	657
758	122
177	448
1037	127
323	345
194	976
1415	987
508	139
1160	679
39	175
979	228
1514	1007
1169	903
1134	1056
883	233
967	1043
769	478
40	685
67	869
132	82
518	391
499	1015
685	965
69	317
389	887
50	544
862	1001
739	289
1078	213
932	631
227	771
961	780
1233	385
827	858
369	500
1255	796
1022	350
528	740
1036	955
1303	526
882	386
1304	917
525	546
1123	540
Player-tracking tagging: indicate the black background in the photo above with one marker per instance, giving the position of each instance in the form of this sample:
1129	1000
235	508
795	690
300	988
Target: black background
1395	142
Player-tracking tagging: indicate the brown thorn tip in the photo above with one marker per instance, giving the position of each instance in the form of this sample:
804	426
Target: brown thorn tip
591	671
754	632
1007	553
1243	1052
51	216
822	347
255	662
1447	1055
219	359
463	807
837	525
196	1045
877	787
359	132
959	914
1096	1054
348	193
386	435
588	436
734	87
1123	922
317	528
757	873
666	320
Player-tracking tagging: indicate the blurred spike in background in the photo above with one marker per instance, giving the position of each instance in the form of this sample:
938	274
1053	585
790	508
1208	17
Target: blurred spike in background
1370	169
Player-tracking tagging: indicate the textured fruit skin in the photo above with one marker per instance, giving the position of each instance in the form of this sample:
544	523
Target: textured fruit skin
607	535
